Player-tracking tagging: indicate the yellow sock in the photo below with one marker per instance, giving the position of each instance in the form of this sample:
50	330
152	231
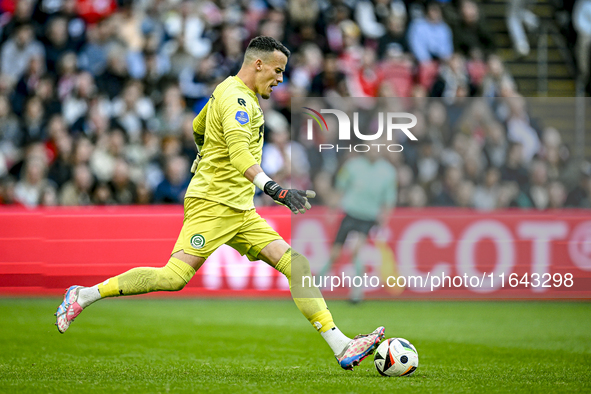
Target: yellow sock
172	277
308	298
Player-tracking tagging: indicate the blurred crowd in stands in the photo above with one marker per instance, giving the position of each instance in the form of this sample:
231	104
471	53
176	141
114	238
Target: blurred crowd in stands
97	99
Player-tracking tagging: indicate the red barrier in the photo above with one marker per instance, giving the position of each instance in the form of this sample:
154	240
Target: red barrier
431	253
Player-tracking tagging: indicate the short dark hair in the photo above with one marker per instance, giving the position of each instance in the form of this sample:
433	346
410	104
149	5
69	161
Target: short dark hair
267	44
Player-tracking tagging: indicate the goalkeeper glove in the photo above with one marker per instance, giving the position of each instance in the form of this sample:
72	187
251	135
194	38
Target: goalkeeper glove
296	200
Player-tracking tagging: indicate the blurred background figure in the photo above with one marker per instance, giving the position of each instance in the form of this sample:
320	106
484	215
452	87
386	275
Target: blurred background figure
366	192
172	189
519	18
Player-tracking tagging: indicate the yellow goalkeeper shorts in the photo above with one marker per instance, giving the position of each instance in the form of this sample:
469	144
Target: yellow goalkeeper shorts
207	225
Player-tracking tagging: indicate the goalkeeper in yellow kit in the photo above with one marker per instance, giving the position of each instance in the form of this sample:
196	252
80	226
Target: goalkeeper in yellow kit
219	207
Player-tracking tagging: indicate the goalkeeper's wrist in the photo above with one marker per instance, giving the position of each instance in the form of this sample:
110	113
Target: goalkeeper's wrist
260	180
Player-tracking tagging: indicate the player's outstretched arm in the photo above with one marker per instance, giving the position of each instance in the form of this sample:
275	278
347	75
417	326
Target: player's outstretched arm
294	199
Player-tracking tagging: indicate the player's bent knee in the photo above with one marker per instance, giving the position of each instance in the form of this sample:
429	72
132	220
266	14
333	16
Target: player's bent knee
177	273
300	266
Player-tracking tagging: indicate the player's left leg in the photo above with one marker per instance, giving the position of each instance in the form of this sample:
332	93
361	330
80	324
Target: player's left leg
308	298
337	246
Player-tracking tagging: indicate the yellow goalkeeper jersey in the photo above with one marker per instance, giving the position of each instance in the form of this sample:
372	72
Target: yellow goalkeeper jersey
231	129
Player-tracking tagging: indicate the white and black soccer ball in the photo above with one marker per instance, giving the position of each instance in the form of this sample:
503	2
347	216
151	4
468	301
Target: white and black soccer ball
396	357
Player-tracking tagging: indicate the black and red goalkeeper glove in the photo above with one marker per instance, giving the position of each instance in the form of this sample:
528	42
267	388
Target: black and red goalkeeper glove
296	200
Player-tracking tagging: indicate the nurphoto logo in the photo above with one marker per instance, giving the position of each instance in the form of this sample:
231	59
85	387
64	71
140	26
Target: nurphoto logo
391	120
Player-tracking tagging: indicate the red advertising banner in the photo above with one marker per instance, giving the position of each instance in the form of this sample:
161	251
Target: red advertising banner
428	253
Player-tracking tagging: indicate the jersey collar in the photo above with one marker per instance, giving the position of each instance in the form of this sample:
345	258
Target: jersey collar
250	91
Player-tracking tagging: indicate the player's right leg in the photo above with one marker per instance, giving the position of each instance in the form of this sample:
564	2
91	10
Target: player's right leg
172	277
200	236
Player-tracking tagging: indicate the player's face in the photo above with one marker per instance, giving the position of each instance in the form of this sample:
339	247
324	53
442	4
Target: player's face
272	73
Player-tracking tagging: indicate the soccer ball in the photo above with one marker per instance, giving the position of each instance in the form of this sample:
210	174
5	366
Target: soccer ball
396	357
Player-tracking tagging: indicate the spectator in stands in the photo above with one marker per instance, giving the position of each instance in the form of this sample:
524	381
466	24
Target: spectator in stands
513	170
76	106
396	35
464	196
109	148
535	193
581	18
366	80
132	110
93	56
486	195
169	117
45	90
198	80
446	196
123	189
453	80
129	32
231	52
76	26
17	52
60	170
470	32
519	16
417	197
112	80
7	191
83	151
554	153
309	64
430	38
520	130
185	29
405	178
427	163
27	84
157	75
9	131
331	81
494	78
101	194
172	189
473	164
556	195
396	73
495	144
67	75
28	190
372	16
49	197
580	196
57	42
23	14
78	190
33	122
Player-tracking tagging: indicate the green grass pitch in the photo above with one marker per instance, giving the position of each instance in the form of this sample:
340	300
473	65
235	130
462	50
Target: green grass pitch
149	345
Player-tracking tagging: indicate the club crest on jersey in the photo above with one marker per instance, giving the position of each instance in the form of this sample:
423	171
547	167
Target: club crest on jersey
242	117
197	241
